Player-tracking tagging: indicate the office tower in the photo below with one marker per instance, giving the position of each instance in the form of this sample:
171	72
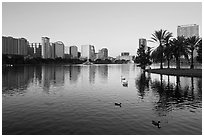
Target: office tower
143	42
88	52
23	46
31	49
103	54
52	50
59	49
38	50
46	51
73	51
14	46
188	30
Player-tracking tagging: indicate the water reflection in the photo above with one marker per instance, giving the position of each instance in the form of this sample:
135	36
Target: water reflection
74	72
142	83
52	76
14	78
103	72
174	96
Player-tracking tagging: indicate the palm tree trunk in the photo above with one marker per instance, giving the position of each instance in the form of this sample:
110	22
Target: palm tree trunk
178	63
161	59
192	66
168	60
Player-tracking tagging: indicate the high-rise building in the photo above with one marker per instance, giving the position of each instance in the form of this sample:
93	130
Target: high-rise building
23	46
38	50
188	30
103	54
73	51
52	50
59	49
14	46
46	50
143	42
88	52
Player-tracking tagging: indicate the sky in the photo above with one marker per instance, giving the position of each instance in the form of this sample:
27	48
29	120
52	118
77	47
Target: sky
116	26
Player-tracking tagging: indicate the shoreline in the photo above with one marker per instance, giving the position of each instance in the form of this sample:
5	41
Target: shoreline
177	72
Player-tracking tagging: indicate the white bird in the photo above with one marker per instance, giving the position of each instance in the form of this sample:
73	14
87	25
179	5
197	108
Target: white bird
125	83
122	78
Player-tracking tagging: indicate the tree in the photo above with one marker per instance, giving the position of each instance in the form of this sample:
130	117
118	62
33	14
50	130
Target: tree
199	51
192	42
159	37
167	50
142	57
179	49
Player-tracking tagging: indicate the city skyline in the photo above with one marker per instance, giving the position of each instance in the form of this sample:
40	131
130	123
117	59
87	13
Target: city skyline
116	26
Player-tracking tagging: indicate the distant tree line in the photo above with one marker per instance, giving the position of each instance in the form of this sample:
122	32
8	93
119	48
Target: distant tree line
19	59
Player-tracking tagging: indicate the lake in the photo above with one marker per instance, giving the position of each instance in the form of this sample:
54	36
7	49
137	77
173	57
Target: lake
79	99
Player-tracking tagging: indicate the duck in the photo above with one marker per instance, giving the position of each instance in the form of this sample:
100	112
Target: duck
122	78
118	104
125	83
156	123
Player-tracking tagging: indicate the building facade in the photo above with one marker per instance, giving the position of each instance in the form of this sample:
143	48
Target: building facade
125	56
143	42
14	46
103	54
88	52
59	49
46	49
188	30
73	51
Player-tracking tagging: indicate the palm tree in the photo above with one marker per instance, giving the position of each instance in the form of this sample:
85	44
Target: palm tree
167	49
159	37
199	51
178	49
192	42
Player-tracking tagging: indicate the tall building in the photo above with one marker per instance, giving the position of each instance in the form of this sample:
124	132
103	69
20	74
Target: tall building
88	52
14	46
59	49
188	30
46	50
73	51
38	50
52	50
143	41
23	46
103	54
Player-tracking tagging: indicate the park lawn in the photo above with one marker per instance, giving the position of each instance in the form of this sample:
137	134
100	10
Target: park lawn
177	72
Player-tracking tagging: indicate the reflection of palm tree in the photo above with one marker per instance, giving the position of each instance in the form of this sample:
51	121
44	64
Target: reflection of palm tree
142	83
159	37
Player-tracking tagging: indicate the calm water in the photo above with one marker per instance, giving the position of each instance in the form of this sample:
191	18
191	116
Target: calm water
81	100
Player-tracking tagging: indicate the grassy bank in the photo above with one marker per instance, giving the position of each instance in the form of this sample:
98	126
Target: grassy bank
178	72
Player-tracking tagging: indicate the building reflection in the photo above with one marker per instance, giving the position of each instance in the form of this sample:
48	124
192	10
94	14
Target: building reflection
92	74
74	72
103	72
125	69
14	78
52	75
